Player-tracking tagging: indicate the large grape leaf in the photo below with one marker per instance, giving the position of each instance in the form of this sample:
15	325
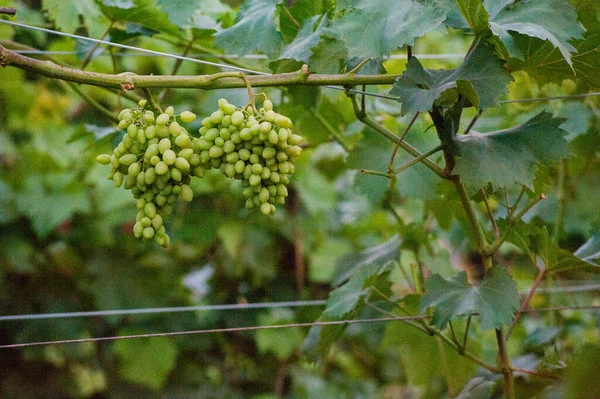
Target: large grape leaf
509	156
179	11
481	79
546	64
344	299
254	30
65	14
201	14
495	299
326	56
145	13
551	20
307	38
374	28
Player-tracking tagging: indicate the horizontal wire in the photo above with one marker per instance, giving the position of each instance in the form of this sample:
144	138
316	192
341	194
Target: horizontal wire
262	305
228	56
272	327
225	66
121	312
125	46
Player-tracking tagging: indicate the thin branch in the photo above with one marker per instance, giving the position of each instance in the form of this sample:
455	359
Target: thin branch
406	130
537	374
95	104
362	116
376	173
176	66
385	312
513	207
468	129
90	54
334	133
418	159
207	82
525	304
8	10
494	246
452	333
360	65
153	103
505	367
470	212
466	336
291	17
490	213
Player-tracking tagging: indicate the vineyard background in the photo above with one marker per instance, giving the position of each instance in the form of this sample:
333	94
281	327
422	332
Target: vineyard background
66	242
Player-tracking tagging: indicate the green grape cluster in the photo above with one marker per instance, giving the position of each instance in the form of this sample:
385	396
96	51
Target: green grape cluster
256	147
154	160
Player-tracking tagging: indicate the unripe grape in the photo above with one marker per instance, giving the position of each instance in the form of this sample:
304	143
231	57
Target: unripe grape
118	179
162	131
254	180
162	119
215	151
170	111
216	117
265	127
222	102
134	169
127	159
182	164
237	118
186	153
161	168
229	109
154	160
264	195
265	209
176	174
103	159
267	105
187	116
164	145
174	128
148	233
138	229
295	139
150	176
169	157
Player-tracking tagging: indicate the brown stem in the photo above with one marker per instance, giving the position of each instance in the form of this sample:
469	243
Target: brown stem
537	374
466	336
490	213
468	129
525	304
406	130
505	366
8	10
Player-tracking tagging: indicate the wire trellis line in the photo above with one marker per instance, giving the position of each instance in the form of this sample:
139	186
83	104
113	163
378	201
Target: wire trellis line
271	327
251	71
123	312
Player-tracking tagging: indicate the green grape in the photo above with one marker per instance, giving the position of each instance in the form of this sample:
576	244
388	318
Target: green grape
103	159
187	116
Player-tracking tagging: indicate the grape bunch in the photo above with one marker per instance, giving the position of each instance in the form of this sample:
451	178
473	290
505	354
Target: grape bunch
154	160
254	146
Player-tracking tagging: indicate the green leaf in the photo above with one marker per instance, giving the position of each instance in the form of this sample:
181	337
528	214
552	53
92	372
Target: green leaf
179	11
554	21
320	338
481	78
255	30
546	64
326	56
582	372
509	156
349	264
374	28
307	38
146	361
345	299
477	388
495	299
145	13
586	258
66	14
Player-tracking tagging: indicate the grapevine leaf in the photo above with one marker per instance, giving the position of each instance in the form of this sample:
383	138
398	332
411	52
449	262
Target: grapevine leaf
495	299
546	64
374	28
179	11
320	338
477	388
301	10
509	156
254	30
345	299
326	56
148	361
145	13
307	38
586	258
66	14
554	21
119	3
481	79
349	264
